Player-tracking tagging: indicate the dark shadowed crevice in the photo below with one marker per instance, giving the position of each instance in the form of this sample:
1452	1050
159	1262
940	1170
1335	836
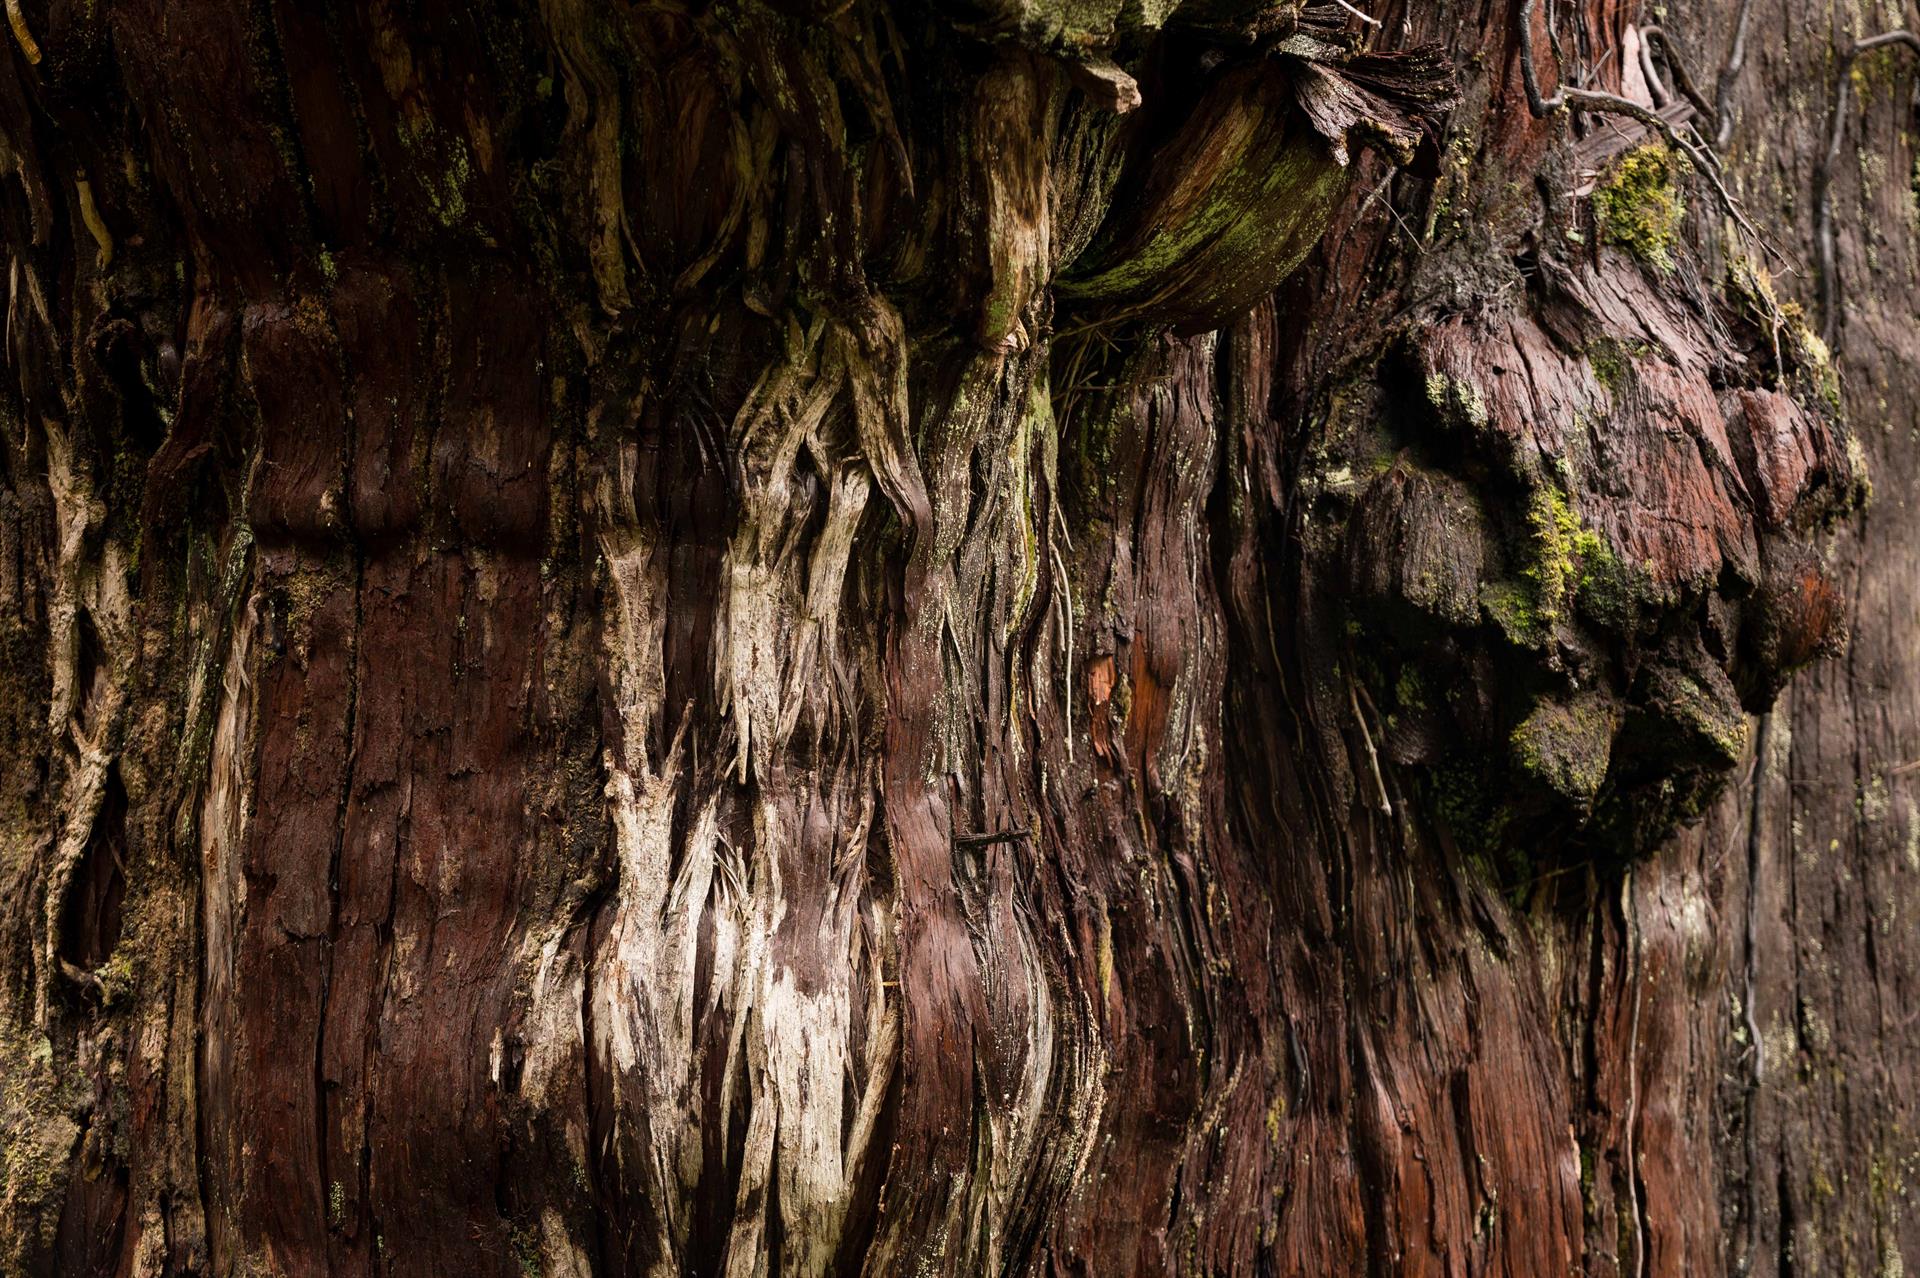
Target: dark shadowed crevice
323	1090
90	917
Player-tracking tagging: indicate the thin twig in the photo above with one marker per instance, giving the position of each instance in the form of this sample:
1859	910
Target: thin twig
1369	20
1373	756
1568	98
1729	76
1678	67
1651	74
1387	204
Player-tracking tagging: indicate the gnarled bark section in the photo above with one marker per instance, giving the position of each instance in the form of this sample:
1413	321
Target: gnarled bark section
785	639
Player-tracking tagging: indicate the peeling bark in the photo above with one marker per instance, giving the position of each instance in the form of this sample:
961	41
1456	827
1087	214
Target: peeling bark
990	638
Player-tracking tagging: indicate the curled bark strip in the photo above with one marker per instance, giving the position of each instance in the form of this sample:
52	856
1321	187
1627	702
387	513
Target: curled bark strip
1230	202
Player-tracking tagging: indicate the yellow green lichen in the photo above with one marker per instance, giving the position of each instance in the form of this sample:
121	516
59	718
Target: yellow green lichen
1639	206
1609	362
1561	557
1562	545
118	977
1715	721
1457	400
1566	745
37	1139
1863	478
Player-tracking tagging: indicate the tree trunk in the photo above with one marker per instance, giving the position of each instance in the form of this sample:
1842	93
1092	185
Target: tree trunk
960	638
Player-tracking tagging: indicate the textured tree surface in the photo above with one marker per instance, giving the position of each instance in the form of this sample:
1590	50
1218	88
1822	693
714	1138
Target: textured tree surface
1097	638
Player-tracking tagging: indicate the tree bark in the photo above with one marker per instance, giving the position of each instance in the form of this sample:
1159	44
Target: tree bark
1000	637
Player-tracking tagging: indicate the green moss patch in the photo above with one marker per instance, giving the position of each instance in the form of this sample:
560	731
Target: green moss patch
1560	558
1567	744
1639	206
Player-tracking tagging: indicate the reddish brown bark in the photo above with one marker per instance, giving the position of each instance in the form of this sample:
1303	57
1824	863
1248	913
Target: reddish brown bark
1003	638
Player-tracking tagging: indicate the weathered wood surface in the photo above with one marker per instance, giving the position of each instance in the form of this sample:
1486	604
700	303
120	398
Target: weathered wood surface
997	638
